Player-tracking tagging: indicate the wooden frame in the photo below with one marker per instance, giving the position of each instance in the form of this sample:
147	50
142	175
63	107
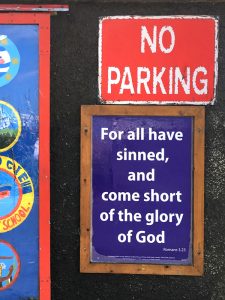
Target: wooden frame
198	113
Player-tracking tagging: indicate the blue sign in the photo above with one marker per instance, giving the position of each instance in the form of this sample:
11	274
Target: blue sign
19	156
9	60
142	189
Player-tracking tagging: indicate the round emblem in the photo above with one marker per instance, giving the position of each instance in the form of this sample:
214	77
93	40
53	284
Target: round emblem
10	126
9	265
16	194
9	60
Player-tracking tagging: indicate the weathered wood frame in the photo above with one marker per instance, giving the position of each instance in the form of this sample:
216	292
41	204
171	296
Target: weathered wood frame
198	114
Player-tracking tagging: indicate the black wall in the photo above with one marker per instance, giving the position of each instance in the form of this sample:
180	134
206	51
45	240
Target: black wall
74	72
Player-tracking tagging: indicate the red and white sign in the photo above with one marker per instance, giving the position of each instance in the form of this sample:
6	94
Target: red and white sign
158	59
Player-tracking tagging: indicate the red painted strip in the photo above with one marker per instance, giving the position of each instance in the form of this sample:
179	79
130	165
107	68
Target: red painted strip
44	156
33	7
4	194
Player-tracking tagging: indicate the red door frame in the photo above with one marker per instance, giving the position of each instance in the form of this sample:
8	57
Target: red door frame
43	21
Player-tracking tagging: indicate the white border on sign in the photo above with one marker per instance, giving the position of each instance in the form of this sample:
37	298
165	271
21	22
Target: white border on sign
101	19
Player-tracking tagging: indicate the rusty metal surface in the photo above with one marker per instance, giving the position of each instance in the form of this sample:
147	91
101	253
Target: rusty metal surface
71	2
33	7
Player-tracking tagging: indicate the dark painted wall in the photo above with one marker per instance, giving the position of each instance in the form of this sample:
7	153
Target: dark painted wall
74	64
74	82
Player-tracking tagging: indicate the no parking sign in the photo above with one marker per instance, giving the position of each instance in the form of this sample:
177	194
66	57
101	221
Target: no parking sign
158	59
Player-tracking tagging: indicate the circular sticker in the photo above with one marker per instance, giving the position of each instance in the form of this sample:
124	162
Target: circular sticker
9	265
10	126
9	60
16	194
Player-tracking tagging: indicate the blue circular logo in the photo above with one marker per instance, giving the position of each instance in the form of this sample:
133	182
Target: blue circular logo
10	194
9	60
9	265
